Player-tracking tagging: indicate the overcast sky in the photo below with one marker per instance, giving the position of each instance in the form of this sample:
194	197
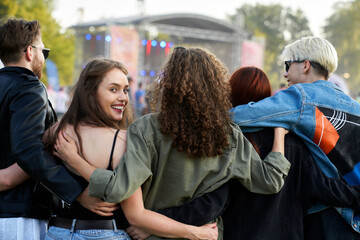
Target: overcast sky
67	11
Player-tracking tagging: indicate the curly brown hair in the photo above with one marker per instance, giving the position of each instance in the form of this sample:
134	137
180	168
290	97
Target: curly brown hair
195	99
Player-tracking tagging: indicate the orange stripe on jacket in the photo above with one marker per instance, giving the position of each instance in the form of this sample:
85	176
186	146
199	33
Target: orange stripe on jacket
325	135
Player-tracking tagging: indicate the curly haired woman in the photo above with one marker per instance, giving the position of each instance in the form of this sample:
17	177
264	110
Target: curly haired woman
189	147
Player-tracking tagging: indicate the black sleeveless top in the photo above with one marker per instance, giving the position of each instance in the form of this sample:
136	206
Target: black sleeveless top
112	151
77	211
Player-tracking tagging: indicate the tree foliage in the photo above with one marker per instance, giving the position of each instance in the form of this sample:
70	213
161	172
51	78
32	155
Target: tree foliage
61	44
342	29
278	25
8	7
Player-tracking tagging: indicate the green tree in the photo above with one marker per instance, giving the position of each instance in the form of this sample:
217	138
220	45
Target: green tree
61	44
8	7
278	25
342	29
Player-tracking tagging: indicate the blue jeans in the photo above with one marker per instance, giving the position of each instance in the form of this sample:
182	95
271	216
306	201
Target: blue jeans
93	234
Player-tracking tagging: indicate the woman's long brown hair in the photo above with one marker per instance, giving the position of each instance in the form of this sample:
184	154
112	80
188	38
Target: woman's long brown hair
84	107
194	97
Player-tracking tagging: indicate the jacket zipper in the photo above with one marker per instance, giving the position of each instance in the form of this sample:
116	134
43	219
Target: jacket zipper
63	202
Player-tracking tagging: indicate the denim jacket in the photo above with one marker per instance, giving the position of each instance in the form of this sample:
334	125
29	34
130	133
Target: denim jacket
325	118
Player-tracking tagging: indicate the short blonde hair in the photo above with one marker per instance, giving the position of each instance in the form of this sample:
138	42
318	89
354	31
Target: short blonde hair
314	49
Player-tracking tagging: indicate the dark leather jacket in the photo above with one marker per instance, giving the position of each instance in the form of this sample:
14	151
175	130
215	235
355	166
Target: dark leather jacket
25	113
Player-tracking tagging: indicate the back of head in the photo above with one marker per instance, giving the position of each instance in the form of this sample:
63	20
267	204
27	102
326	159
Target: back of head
15	36
249	84
315	49
195	99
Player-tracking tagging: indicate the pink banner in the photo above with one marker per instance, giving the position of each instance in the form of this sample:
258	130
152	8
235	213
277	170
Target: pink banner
124	47
252	54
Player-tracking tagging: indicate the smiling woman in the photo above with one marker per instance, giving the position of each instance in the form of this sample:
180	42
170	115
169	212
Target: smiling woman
113	94
100	90
97	116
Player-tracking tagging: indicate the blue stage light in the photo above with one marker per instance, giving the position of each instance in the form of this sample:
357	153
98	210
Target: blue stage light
162	44
171	44
152	73
88	36
98	37
142	73
144	42
108	38
153	43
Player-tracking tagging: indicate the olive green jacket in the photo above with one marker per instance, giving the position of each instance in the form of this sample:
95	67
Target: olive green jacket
170	178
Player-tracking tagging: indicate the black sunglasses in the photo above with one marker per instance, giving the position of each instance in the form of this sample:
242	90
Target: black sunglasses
288	64
45	51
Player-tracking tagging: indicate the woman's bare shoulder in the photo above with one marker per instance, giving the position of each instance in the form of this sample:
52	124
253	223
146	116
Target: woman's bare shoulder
97	143
122	135
98	132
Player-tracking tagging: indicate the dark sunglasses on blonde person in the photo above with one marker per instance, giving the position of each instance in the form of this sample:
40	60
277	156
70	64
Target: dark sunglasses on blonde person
288	64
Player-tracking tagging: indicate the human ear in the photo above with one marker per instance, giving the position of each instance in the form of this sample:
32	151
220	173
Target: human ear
307	65
28	54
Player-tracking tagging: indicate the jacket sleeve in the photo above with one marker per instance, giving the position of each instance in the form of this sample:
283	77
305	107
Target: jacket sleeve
27	124
282	110
132	171
200	210
319	188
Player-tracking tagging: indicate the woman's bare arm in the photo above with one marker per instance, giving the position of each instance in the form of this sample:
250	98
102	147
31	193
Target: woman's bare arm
279	140
161	225
11	177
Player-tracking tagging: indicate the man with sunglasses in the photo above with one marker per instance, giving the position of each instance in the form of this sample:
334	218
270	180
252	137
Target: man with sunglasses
326	119
25	113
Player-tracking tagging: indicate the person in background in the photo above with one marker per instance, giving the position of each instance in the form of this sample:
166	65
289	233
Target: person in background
131	100
51	93
25	114
140	103
282	87
188	148
325	118
62	100
130	79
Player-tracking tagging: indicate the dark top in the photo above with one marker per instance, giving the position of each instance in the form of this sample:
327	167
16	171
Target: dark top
79	212
277	216
25	113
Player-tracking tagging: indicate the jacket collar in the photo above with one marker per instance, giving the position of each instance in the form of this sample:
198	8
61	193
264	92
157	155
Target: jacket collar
22	71
327	83
17	69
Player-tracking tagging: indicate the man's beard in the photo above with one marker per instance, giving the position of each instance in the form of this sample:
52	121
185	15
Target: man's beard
37	66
